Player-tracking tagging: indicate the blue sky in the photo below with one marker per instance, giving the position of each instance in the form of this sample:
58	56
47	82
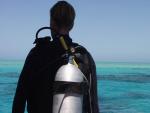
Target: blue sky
112	30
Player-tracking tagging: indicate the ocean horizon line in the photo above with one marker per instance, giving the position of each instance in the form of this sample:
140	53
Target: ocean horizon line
97	61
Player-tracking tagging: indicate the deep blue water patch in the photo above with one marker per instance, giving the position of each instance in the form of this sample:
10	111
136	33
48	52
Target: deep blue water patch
122	87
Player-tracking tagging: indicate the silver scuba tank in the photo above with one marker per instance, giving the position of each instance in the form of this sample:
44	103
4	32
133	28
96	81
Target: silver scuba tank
72	103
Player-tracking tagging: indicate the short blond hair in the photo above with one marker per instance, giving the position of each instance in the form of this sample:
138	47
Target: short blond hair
63	14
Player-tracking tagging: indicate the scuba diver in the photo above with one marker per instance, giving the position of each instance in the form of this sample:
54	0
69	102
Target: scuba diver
39	85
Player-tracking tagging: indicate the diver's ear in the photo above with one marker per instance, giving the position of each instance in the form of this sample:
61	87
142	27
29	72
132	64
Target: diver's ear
71	26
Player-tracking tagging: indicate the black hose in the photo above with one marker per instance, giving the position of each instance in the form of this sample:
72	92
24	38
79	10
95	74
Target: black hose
41	30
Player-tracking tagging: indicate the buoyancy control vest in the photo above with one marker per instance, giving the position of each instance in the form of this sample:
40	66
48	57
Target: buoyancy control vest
70	84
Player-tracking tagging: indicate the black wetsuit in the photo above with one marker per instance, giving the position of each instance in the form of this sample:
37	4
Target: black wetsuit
36	79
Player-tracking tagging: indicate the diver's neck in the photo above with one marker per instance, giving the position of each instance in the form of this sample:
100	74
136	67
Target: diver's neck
64	32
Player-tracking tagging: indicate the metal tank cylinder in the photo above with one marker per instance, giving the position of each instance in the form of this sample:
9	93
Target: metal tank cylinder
72	103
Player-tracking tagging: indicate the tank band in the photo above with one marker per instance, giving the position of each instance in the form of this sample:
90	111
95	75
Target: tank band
61	87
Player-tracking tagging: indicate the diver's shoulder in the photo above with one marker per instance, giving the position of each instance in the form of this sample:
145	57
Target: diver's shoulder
85	52
80	48
41	45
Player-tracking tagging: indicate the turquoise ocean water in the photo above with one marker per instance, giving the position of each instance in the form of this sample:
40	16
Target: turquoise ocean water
122	87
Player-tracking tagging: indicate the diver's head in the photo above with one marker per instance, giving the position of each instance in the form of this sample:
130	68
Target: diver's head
62	16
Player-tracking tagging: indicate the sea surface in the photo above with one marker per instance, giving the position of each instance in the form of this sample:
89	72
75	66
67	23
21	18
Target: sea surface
122	87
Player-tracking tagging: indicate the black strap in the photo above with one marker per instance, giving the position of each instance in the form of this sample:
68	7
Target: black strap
70	87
